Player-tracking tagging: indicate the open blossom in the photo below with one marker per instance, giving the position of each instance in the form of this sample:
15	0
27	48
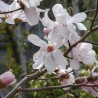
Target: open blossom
31	10
16	16
48	54
83	53
7	79
91	90
63	26
66	77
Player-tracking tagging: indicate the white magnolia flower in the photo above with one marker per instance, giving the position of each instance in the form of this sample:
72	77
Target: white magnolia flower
63	27
31	10
48	54
66	77
62	17
83	53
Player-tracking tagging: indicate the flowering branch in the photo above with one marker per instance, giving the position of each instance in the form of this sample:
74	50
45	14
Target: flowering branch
23	81
81	40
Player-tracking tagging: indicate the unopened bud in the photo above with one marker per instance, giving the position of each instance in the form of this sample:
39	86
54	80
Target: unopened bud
7	79
46	31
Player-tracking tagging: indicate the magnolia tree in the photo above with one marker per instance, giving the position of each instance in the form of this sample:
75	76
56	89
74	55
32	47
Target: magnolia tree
58	33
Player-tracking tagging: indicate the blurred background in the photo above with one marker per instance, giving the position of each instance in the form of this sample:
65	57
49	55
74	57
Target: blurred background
16	52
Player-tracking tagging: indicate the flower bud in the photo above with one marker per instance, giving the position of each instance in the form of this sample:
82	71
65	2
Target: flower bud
46	31
7	79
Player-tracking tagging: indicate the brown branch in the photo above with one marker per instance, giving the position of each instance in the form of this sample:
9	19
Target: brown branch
10	11
81	40
23	81
55	87
94	17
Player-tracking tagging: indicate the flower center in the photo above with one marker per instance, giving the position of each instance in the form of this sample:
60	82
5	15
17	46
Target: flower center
50	48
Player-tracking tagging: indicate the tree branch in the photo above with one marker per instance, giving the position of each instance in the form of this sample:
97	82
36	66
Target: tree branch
55	87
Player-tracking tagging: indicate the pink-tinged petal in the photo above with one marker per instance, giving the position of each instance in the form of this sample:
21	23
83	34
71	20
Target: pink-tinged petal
89	58
79	17
74	64
32	16
59	59
36	40
81	26
84	46
7	78
50	63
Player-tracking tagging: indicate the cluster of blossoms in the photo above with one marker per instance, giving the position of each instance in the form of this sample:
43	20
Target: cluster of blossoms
58	33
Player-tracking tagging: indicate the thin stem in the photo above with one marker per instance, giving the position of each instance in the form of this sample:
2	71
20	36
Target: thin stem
56	87
10	11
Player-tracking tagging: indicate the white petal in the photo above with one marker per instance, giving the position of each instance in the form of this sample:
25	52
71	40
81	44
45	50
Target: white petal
38	65
59	59
35	2
50	63
36	40
47	22
3	6
31	15
10	21
81	26
69	69
57	9
79	17
74	64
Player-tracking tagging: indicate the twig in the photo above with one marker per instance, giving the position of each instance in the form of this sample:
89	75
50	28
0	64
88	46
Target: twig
94	17
56	87
10	11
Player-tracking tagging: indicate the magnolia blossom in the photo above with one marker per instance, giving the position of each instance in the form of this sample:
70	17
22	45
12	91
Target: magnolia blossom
14	17
83	53
91	90
48	54
7	79
64	26
66	77
31	10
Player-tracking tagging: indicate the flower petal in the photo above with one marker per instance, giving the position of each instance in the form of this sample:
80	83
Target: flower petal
50	63
74	64
36	40
59	59
81	26
79	17
31	15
